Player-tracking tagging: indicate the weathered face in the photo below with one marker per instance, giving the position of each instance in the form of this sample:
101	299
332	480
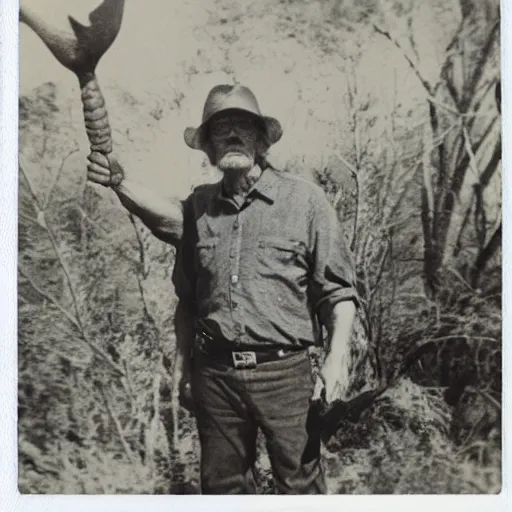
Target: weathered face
235	138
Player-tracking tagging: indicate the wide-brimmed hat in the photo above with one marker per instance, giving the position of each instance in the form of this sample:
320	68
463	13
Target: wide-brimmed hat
231	97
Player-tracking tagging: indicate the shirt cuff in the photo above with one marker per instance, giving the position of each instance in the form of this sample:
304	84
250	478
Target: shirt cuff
326	304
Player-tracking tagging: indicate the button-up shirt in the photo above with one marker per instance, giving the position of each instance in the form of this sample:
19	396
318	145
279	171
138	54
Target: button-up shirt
263	272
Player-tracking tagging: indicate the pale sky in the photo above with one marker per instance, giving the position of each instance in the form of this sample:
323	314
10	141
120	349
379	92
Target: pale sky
152	40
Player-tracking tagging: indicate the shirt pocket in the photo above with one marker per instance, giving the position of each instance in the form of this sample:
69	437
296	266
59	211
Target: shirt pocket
284	260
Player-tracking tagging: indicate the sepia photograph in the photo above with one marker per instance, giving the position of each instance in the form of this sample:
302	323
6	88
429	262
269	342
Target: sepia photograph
259	247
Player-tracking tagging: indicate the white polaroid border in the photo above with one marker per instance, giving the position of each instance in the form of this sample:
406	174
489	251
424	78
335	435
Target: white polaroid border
11	500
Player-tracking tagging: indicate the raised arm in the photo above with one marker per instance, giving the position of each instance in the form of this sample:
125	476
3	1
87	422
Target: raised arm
162	215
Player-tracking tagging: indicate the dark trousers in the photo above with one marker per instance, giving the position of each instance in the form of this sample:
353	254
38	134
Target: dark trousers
231	404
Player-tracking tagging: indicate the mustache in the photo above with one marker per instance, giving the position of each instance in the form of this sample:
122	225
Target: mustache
237	148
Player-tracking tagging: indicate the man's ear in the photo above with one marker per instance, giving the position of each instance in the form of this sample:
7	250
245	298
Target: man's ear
263	144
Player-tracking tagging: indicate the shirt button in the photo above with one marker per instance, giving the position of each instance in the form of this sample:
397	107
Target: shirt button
234	279
234	304
236	225
232	253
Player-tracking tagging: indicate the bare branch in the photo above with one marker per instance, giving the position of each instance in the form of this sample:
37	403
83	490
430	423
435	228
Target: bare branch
439	139
471	114
355	175
141	276
67	273
464	224
142	252
350	166
76	320
90	221
53	241
473	164
480	217
411	171
48	297
380	273
459	277
57	176
461	168
449	193
95	348
485	255
153	423
446	77
429	255
492	165
478	102
129	381
427	179
411	38
479	67
134	262
455	36
117	424
446	66
30	187
412	65
461	162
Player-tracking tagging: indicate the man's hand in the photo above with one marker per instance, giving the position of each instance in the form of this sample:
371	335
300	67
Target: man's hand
104	171
182	387
334	376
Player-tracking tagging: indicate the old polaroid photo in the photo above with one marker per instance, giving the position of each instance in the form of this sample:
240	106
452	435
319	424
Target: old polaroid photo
258	252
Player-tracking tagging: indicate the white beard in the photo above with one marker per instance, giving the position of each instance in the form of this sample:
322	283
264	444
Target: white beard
235	162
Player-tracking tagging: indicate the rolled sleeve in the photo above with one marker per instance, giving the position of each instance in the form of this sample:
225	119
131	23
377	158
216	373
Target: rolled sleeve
333	276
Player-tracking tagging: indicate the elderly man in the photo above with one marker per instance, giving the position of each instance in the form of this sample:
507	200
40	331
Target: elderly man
261	264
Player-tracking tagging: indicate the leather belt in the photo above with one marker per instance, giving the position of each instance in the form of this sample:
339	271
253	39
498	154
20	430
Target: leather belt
245	358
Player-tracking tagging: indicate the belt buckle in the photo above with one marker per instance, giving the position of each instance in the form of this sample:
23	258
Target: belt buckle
244	360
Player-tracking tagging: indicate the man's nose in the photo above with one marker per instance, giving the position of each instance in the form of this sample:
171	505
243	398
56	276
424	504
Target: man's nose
233	138
232	131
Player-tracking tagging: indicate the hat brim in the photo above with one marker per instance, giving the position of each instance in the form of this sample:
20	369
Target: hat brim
195	137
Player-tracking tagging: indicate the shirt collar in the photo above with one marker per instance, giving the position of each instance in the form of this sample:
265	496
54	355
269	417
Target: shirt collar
265	186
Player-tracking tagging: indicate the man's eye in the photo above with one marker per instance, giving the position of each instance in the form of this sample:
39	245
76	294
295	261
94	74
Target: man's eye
220	129
239	125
